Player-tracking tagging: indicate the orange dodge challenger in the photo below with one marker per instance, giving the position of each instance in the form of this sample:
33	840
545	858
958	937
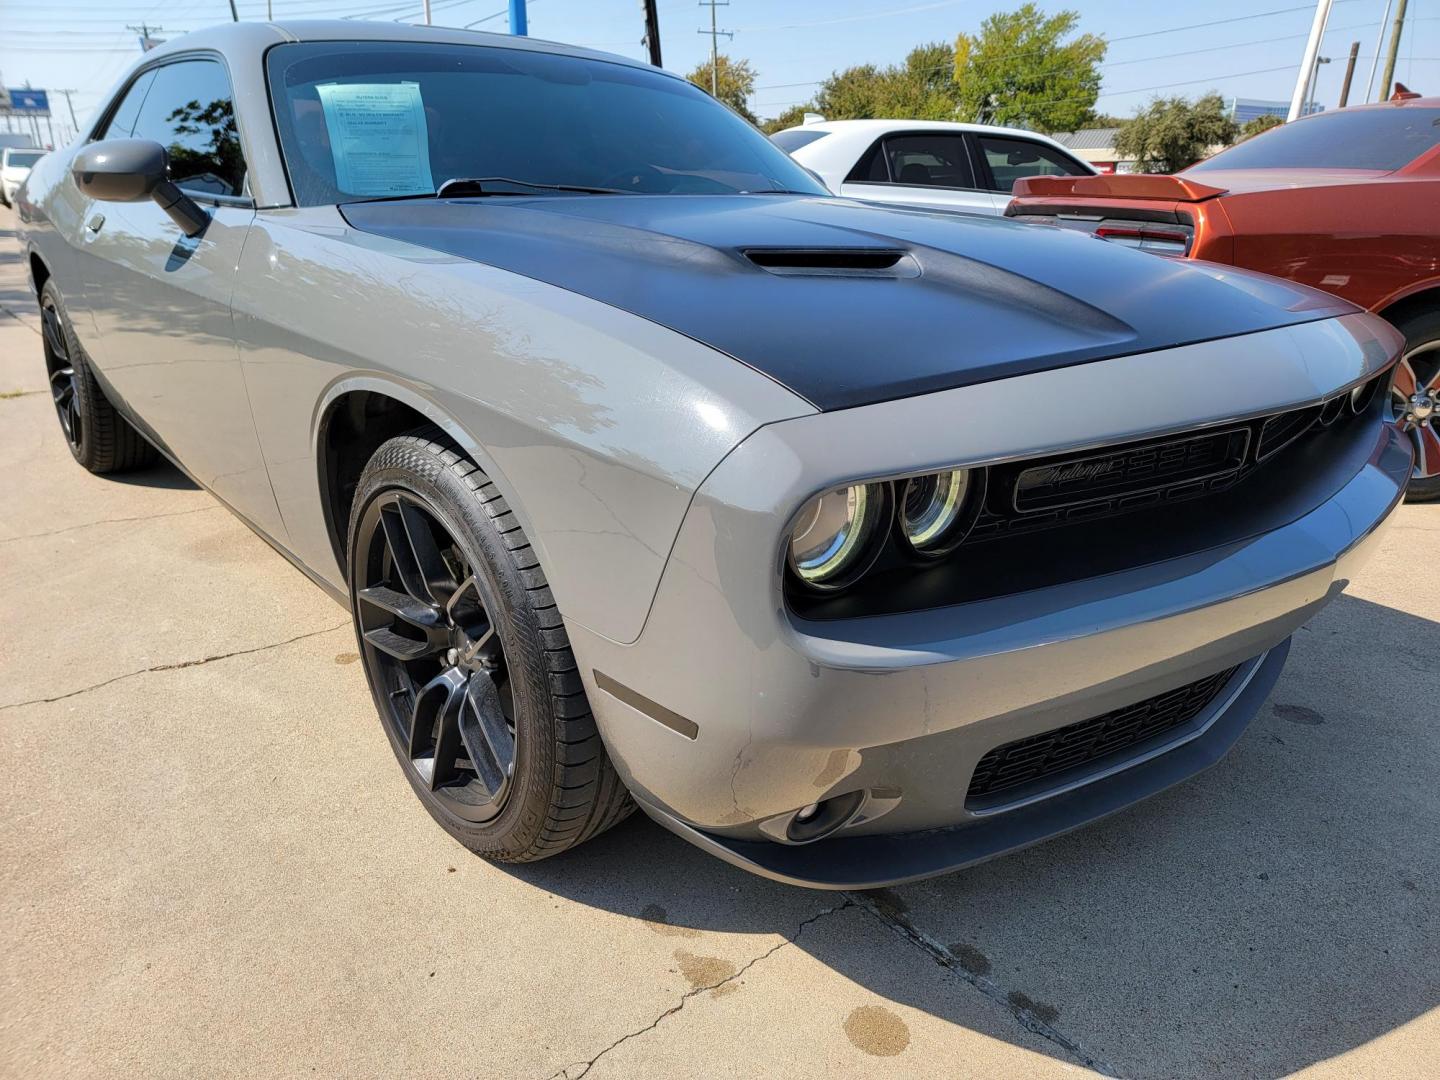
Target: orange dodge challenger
1346	201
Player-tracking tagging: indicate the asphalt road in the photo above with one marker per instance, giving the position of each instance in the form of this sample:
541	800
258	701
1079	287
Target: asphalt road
210	863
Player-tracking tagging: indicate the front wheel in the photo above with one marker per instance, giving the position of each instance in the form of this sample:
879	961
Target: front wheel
1415	395
98	436
468	660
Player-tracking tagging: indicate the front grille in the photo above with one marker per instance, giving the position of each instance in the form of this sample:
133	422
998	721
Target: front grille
1117	474
1066	489
1050	753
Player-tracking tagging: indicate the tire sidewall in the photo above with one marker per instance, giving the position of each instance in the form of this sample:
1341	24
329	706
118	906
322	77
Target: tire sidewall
85	386
455	505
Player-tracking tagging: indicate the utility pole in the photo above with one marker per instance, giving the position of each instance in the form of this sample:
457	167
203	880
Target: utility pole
427	12
71	105
145	30
1349	73
234	15
1394	49
1307	65
715	36
652	31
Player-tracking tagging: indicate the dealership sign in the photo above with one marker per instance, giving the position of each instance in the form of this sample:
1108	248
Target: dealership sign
24	102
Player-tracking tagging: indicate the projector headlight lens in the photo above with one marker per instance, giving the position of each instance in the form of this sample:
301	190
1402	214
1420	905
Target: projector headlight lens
933	508
833	541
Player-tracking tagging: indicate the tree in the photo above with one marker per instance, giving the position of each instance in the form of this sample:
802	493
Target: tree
921	88
1020	72
1171	134
794	116
734	84
1261	123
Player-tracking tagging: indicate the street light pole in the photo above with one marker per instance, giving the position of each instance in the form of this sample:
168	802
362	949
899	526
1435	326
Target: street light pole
518	23
1307	65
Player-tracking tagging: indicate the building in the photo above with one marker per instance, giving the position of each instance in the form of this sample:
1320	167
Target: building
1095	145
1243	110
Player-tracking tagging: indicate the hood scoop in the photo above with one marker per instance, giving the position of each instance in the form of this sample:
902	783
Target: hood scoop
834	262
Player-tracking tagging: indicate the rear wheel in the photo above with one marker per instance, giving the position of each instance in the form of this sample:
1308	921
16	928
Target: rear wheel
98	436
468	660
1415	395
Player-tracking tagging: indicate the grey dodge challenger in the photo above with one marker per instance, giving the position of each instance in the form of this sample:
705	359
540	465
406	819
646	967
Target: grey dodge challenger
853	544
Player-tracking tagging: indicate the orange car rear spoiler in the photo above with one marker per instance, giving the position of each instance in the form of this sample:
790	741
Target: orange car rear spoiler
1116	186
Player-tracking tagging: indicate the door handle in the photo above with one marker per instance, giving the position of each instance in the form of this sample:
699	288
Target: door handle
95	223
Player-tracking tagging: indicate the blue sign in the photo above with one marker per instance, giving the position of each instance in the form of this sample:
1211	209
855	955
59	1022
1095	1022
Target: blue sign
30	101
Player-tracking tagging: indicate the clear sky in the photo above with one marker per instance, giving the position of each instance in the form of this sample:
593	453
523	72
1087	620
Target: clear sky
84	44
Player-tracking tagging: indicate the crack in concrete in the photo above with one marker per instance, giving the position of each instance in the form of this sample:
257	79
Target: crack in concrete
586	1066
111	521
20	319
901	925
175	667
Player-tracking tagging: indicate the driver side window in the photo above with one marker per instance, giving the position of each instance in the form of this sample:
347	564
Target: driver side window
189	111
122	120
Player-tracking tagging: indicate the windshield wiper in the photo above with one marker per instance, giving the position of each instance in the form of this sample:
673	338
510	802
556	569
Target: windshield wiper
475	185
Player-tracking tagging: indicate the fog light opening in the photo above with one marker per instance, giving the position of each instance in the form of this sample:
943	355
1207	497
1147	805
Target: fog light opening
818	820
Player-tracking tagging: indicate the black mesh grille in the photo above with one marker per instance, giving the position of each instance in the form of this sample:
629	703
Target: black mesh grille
1042	494
1051	752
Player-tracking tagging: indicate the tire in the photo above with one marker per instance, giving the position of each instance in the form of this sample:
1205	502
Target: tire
98	436
1419	370
559	787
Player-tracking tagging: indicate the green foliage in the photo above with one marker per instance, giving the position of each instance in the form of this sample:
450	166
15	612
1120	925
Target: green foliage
921	88
1171	134
1263	122
794	116
1019	71
735	83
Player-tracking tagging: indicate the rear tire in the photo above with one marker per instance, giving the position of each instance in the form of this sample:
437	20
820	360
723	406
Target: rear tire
98	436
1419	373
439	570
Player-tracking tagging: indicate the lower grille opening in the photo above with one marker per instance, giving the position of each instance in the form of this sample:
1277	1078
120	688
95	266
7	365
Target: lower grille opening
1046	755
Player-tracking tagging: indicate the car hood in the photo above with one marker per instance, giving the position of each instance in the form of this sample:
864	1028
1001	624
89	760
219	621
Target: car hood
848	303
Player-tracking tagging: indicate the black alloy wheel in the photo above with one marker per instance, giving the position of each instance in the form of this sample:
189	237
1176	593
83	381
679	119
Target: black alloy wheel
61	370
468	659
436	656
98	436
1415	399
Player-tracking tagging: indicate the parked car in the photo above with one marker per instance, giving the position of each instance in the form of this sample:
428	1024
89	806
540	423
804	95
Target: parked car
966	167
14	167
1345	201
854	544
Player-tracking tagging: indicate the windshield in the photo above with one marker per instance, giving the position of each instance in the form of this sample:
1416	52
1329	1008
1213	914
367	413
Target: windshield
23	158
1381	139
386	120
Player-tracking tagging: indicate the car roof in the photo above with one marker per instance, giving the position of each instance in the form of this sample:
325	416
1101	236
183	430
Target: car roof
242	38
871	128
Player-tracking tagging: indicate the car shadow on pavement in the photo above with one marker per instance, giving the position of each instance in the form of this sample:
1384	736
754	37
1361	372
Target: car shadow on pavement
160	475
1279	910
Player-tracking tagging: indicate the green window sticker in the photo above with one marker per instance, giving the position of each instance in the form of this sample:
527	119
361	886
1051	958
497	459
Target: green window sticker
378	137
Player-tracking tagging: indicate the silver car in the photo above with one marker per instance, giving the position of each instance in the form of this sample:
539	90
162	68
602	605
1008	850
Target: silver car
854	544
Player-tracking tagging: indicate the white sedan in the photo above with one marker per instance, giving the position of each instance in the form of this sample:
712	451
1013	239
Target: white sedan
967	167
14	167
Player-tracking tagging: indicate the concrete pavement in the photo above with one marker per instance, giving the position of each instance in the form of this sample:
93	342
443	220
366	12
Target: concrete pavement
210	862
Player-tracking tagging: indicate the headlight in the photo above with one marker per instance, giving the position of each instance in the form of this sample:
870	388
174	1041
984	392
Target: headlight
934	515
835	536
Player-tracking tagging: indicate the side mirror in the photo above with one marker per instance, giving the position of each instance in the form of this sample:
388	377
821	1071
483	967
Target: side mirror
133	170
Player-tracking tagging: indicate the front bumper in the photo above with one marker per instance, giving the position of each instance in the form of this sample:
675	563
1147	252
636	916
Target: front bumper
729	713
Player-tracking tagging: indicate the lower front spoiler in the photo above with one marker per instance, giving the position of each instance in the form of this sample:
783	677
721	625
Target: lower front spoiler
873	861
